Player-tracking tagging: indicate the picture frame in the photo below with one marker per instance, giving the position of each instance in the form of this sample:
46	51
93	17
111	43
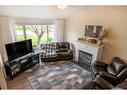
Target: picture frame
93	31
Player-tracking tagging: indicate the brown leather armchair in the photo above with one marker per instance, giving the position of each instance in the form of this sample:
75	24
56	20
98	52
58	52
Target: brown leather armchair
115	72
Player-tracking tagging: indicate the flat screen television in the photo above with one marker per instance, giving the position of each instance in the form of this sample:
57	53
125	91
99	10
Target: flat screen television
93	31
18	49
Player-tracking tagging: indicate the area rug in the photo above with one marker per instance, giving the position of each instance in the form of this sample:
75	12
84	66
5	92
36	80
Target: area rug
60	75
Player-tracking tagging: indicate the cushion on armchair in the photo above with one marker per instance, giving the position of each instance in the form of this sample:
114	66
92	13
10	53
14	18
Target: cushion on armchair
117	65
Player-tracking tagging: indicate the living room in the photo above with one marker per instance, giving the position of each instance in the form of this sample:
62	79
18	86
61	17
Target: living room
66	27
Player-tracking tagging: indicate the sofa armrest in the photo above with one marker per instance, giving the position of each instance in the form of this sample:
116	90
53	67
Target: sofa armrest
123	74
101	64
70	51
109	77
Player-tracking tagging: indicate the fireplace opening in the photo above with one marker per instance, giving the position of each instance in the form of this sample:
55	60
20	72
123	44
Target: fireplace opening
84	59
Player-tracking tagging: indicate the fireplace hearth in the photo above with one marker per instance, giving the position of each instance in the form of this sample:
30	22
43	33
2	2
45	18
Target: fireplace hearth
84	60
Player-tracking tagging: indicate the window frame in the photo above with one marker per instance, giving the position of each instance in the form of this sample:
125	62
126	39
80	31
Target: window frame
25	34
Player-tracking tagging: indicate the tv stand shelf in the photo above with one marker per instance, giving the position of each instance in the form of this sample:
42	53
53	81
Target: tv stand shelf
21	64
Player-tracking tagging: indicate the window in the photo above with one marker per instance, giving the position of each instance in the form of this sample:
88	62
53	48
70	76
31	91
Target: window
38	33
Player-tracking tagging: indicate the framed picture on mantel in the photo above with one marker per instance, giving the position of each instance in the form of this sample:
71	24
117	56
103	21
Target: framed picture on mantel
93	31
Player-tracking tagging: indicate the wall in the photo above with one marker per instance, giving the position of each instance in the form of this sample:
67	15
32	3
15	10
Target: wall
114	19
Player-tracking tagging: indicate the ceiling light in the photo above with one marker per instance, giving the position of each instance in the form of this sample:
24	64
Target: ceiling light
61	6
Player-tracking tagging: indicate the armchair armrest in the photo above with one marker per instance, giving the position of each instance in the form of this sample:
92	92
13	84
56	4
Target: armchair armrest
102	83
123	74
109	77
95	69
101	64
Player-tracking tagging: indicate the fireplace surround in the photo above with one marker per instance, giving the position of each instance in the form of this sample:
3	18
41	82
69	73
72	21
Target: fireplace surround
88	51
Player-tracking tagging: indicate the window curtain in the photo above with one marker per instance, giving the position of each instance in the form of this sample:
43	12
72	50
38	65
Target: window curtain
6	34
59	30
3	84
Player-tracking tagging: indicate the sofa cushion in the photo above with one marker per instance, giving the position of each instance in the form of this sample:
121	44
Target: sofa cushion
45	46
50	46
48	54
54	45
64	45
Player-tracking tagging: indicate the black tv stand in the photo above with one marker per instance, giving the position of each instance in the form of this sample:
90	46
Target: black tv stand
21	64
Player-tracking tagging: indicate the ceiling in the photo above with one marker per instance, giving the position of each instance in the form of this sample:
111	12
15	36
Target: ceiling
45	12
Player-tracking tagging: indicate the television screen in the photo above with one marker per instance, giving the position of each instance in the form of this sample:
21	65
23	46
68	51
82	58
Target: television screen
18	49
93	31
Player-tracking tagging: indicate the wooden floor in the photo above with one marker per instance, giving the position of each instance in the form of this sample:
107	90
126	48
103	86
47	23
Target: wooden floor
19	82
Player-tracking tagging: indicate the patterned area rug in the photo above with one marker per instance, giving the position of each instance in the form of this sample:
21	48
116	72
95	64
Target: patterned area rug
58	75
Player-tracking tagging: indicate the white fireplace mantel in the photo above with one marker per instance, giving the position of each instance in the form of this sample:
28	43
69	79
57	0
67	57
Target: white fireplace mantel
90	48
